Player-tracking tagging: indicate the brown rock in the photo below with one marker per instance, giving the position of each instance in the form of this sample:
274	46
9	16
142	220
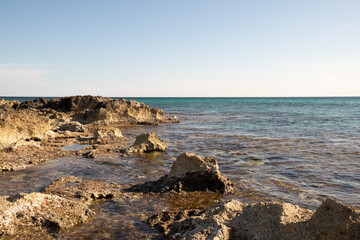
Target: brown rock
148	142
16	125
108	133
72	127
202	174
261	221
190	162
23	211
88	190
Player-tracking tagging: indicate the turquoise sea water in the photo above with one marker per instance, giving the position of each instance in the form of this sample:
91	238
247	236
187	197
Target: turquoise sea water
294	149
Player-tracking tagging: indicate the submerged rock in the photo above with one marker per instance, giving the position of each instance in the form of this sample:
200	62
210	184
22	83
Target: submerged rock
148	142
201	175
88	190
261	221
37	210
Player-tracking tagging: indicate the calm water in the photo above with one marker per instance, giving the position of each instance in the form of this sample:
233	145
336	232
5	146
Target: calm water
294	149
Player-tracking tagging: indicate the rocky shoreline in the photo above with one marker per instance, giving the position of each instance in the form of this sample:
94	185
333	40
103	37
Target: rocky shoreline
36	131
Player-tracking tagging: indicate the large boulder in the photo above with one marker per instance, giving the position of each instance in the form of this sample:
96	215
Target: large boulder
17	125
37	210
148	142
190	162
202	174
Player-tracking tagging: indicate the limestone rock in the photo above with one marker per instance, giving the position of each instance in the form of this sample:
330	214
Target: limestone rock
88	109
16	125
24	211
201	174
88	190
261	221
190	162
333	220
148	142
72	127
108	133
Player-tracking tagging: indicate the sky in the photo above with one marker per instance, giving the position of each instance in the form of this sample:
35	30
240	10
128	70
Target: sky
184	48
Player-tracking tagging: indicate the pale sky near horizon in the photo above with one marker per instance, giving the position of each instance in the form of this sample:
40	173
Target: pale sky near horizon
187	48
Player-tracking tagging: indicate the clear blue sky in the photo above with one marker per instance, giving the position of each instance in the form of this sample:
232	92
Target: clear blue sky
180	48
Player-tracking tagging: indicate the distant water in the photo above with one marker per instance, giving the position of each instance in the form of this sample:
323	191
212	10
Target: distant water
294	149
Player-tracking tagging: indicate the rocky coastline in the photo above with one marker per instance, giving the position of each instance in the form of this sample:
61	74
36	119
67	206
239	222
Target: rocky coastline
36	131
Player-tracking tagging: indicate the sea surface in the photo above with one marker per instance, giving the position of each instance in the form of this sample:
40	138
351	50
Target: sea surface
297	150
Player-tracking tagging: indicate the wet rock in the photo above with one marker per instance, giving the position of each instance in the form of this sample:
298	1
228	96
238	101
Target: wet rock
72	127
203	175
88	190
259	221
148	142
190	162
38	210
208	224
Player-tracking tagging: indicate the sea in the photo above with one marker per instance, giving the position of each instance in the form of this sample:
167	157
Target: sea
298	150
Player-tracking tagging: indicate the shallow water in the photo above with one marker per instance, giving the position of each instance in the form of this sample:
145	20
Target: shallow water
297	150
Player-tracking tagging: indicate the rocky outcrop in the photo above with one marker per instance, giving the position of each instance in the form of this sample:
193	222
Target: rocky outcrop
88	190
37	210
148	142
203	175
263	220
88	109
17	125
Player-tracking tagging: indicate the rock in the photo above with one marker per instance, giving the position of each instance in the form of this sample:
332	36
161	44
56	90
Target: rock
190	162
190	224
23	211
108	133
72	127
191	181
9	104
202	174
333	220
88	109
261	221
148	142
88	190
16	125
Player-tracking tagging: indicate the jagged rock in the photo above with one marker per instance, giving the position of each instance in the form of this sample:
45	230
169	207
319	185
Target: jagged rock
148	142
190	162
9	104
88	109
16	125
108	133
208	224
203	175
333	220
261	221
23	211
88	190
72	127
